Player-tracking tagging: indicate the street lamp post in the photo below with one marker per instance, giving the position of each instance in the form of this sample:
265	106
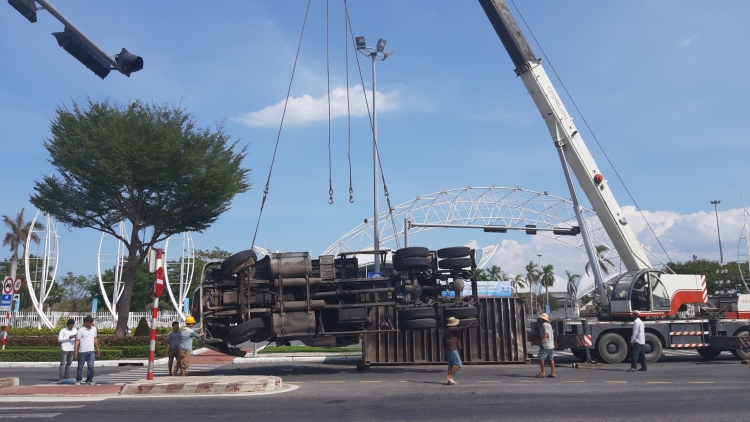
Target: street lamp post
375	54
721	253
539	264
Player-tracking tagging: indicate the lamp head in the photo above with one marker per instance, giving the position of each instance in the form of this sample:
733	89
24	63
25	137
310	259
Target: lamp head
360	42
381	45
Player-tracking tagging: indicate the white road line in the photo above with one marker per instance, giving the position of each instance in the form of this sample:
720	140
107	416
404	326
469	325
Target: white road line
41	407
30	415
37	399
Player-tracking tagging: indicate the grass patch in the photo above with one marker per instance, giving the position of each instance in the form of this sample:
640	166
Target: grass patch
308	349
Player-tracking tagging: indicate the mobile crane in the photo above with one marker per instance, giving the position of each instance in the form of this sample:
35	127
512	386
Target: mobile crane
658	295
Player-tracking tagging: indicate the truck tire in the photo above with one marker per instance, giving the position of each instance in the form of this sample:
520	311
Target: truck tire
411	252
454	263
709	353
245	331
580	354
459	313
454	252
653	348
416	313
238	262
416	324
741	354
413	262
612	348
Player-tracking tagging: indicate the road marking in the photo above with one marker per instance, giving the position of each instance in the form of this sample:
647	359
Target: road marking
658	382
292	382
574	381
30	415
41	407
371	381
530	381
616	382
489	381
331	382
703	382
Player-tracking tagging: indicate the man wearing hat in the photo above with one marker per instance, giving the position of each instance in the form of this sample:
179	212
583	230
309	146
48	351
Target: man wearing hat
452	344
67	340
638	343
546	345
186	345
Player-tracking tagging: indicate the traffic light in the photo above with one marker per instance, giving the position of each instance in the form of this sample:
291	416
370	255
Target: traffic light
83	53
128	62
25	7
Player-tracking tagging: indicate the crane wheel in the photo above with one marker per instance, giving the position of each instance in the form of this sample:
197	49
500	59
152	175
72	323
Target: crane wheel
653	348
709	353
612	348
742	354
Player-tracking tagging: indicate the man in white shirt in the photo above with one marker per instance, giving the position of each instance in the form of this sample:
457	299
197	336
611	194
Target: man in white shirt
66	338
86	343
638	344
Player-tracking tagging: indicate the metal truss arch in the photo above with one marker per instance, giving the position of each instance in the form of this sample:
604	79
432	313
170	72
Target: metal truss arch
41	266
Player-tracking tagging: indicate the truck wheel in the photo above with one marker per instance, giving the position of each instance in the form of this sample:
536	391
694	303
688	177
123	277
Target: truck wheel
454	263
580	354
454	252
612	348
742	354
709	353
416	324
238	262
416	313
411	252
459	313
413	262
468	321
245	331
653	348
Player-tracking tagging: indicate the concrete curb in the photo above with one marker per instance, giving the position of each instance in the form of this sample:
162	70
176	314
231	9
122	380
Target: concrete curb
98	363
8	382
207	385
300	359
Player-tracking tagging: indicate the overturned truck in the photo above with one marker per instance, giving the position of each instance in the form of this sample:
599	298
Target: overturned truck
326	302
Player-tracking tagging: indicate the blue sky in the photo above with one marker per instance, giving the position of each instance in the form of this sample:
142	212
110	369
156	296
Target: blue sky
661	83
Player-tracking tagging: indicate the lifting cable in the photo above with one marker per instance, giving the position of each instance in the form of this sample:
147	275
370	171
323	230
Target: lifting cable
348	107
328	95
278	136
372	127
593	135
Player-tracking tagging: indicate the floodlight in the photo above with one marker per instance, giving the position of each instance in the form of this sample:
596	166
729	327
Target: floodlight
360	41
381	44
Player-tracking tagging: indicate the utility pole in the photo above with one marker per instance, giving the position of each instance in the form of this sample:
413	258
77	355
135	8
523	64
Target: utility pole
721	253
539	264
375	54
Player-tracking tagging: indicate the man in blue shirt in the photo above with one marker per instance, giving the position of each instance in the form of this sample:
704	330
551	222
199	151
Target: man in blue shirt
186	344
174	339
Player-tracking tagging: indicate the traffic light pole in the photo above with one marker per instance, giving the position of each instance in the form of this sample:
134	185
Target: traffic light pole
74	29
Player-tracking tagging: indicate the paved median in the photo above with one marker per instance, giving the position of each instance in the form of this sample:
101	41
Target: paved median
205	385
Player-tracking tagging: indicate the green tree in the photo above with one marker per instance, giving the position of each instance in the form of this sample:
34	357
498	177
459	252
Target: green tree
495	273
718	277
142	297
146	163
532	277
604	263
16	237
482	275
75	291
516	282
547	278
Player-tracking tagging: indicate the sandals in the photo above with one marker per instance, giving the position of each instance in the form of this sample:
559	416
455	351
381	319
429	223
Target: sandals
551	376
631	370
540	376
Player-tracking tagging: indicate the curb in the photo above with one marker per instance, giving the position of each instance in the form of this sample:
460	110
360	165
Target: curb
307	359
208	385
8	382
97	364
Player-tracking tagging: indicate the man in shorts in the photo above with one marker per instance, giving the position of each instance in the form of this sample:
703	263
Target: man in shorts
546	345
174	338
186	345
452	344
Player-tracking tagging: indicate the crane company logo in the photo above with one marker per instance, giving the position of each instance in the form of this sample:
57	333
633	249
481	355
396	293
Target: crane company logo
560	107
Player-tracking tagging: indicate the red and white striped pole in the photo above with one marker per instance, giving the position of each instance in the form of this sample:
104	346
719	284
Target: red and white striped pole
158	289
5	329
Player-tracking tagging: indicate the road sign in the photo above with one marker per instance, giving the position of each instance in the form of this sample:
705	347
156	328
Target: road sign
7	286
17	285
16	297
5	302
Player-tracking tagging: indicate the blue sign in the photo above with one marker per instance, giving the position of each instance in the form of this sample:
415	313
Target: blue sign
94	305
18	305
6	301
373	274
186	306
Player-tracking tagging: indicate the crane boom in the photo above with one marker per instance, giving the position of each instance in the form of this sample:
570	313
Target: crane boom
565	135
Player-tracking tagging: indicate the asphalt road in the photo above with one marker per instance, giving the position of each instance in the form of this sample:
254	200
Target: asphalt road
679	387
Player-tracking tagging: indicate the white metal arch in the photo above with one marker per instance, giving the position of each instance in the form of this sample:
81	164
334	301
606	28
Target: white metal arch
112	254
493	205
41	266
180	263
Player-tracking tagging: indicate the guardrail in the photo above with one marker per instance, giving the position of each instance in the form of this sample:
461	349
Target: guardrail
101	319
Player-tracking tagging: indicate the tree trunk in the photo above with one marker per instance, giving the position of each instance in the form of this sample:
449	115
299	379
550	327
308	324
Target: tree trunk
14	264
128	278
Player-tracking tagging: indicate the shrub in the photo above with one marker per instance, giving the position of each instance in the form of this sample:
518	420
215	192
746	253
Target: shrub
142	329
48	355
104	341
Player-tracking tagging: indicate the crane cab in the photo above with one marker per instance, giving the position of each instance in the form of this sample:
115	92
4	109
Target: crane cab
656	294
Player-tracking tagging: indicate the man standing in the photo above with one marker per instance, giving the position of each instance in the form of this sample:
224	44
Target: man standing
638	343
186	344
174	338
86	343
452	344
67	341
546	345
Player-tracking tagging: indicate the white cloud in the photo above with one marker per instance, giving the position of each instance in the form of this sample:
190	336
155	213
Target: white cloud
306	109
688	41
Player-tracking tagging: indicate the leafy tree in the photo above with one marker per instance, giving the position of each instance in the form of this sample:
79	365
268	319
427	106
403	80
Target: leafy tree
532	277
547	279
604	263
495	273
16	237
146	163
142	297
482	275
714	272
75	291
516	282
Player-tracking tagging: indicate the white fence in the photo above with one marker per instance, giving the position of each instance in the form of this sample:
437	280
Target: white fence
101	319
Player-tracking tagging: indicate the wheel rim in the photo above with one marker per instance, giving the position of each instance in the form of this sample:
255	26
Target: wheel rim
613	348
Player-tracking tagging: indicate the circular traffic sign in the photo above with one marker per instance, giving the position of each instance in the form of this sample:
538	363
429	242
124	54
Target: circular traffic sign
17	285
8	286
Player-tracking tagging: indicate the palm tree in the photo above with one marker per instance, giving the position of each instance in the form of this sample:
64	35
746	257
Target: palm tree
547	278
19	231
481	275
532	274
516	282
572	290
604	263
495	273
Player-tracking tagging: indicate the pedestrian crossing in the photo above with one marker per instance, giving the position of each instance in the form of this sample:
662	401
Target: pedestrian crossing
140	373
42	411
